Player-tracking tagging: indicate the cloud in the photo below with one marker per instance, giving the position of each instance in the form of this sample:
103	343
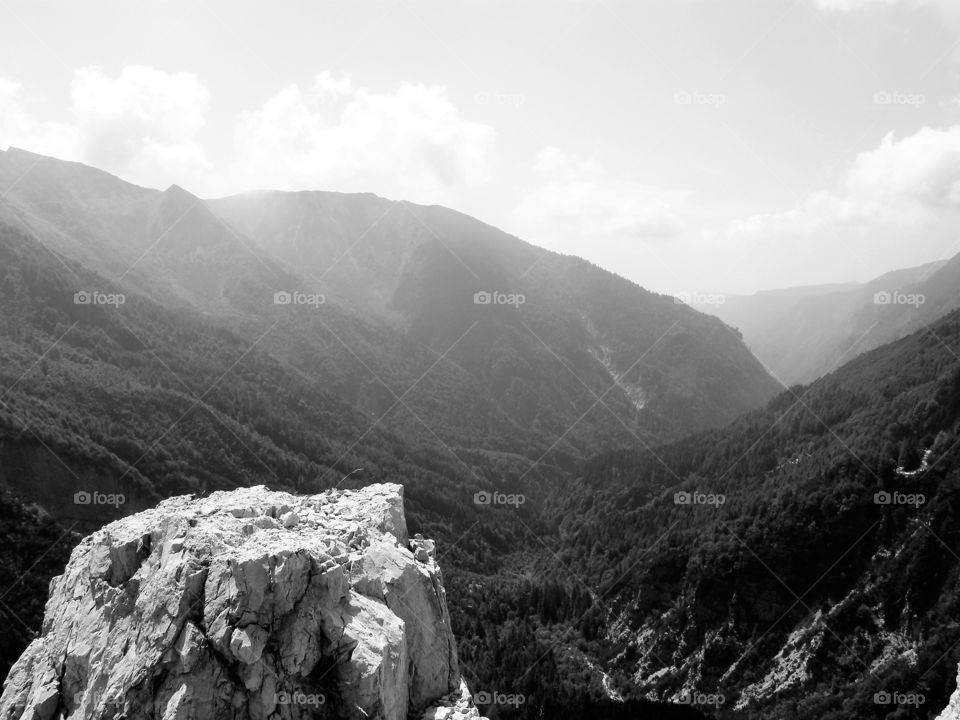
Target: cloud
18	127
142	124
899	185
410	142
923	168
145	125
577	201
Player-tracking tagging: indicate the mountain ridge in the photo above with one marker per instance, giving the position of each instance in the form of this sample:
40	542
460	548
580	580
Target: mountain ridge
834	323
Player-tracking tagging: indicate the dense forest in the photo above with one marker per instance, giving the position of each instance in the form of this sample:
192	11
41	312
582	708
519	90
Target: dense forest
137	403
600	585
838	538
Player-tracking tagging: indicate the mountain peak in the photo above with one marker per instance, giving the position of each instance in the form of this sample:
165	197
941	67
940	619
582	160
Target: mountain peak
176	191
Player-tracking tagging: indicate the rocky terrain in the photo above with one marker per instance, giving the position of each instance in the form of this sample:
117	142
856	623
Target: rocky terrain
247	604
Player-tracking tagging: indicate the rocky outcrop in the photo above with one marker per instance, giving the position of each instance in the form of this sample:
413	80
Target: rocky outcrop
247	604
952	711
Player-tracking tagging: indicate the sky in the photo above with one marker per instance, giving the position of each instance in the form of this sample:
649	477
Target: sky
689	145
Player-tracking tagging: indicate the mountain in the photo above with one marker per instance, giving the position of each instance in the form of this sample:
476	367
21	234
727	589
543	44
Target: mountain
145	356
801	562
835	323
396	288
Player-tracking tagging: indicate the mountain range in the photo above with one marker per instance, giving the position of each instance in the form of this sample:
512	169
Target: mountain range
156	344
804	332
628	507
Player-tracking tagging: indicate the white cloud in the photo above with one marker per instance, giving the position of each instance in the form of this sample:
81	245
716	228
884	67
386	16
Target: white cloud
923	168
411	143
141	124
145	125
900	185
896	205
578	202
18	128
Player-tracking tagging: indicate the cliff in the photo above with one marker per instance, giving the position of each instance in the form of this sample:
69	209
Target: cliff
247	604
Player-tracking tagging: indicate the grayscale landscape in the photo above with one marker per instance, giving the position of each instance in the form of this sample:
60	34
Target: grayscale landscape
465	361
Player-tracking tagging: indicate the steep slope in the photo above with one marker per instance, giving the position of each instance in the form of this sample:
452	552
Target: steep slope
393	288
803	333
198	387
248	604
662	368
36	548
802	562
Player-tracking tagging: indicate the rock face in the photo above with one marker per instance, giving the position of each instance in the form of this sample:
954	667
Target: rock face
247	604
952	711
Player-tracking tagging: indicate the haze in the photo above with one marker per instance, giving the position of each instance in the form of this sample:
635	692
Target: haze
688	145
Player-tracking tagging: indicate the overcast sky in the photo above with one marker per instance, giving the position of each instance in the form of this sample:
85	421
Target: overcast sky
690	145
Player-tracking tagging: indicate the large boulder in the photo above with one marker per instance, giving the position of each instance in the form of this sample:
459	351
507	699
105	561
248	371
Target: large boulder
245	604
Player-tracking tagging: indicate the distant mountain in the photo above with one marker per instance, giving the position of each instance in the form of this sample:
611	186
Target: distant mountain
805	332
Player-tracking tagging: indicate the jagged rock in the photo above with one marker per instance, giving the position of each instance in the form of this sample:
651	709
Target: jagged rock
952	710
457	705
247	604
